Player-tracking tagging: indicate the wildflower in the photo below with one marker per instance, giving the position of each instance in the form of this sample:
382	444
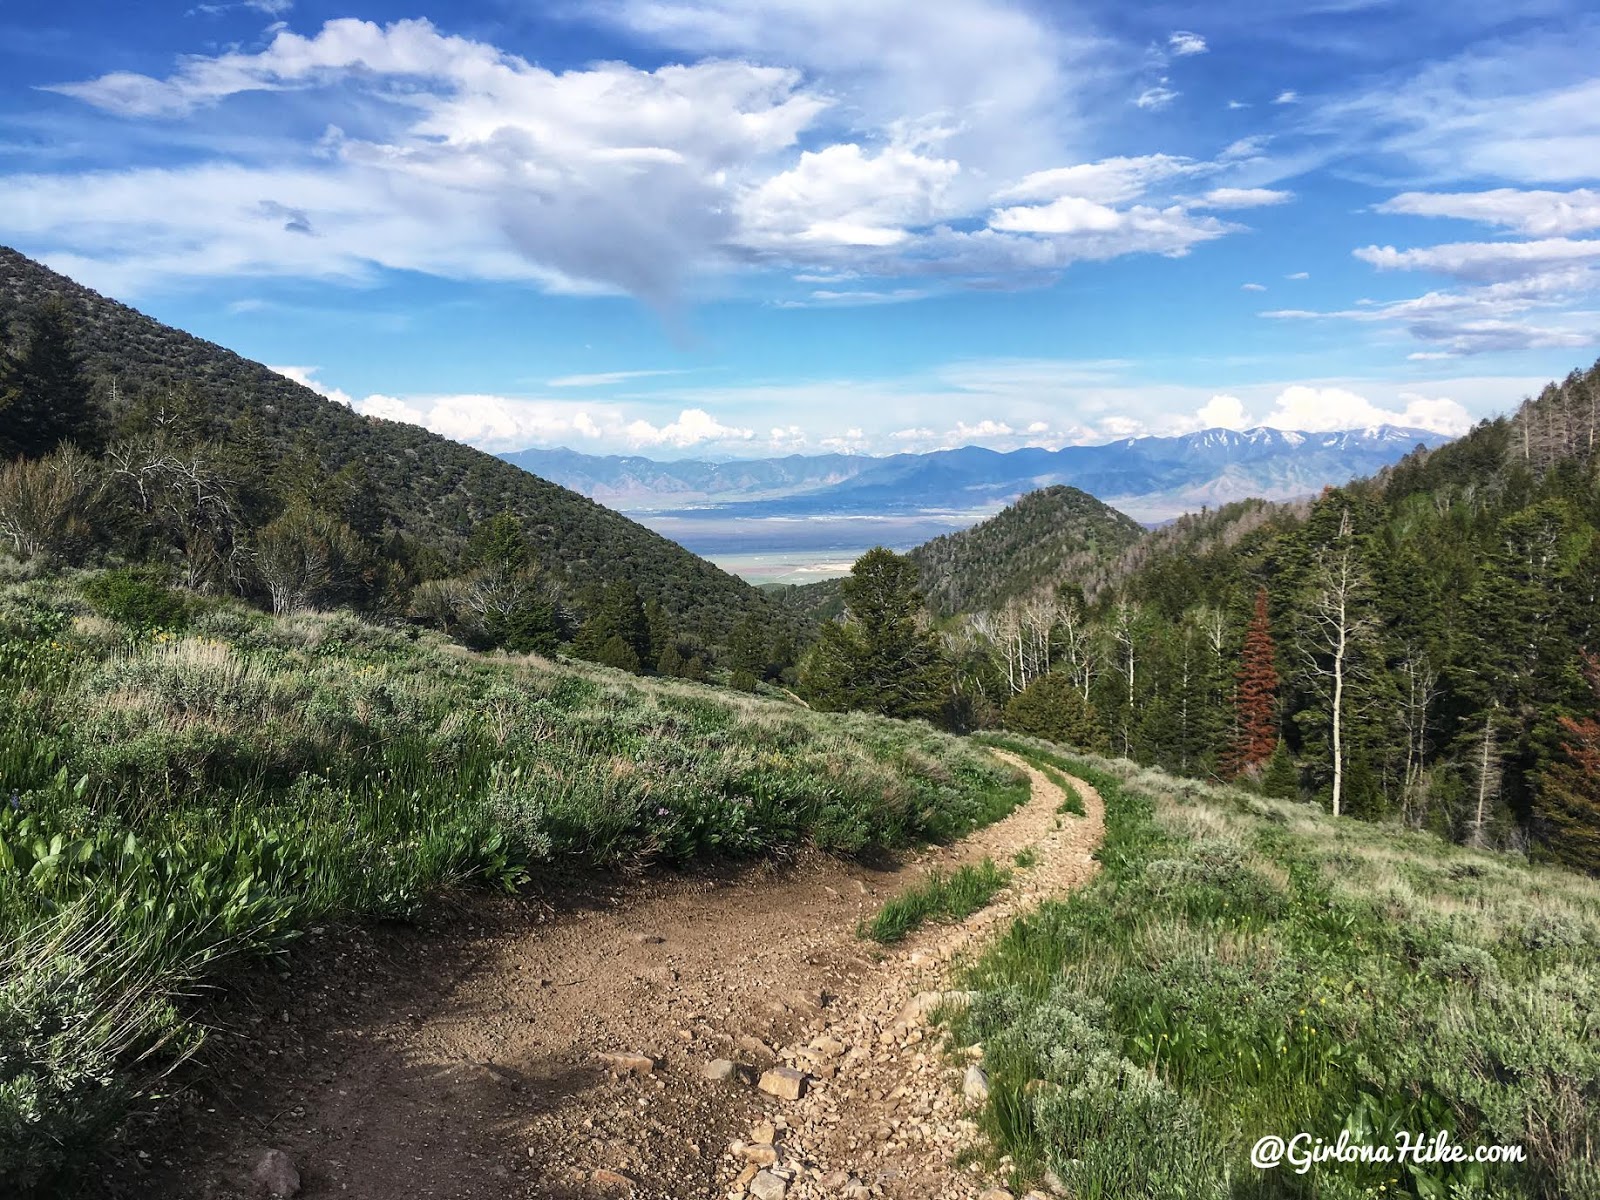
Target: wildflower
16	801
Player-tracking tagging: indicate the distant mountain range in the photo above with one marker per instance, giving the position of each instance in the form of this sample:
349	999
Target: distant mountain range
1151	478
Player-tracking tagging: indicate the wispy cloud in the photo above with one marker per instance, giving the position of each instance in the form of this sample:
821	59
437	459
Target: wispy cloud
270	8
840	160
1233	197
1484	262
1536	213
1519	109
1487	318
607	378
1183	43
1154	99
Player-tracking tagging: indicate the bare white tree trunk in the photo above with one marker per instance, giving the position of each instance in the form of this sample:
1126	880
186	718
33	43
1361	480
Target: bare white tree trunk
1488	780
1127	662
1077	644
1337	624
1422	690
1341	648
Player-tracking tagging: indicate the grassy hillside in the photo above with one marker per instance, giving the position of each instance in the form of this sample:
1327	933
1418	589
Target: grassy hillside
210	788
427	487
1246	967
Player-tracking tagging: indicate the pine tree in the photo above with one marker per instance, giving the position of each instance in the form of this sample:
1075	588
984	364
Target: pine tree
617	632
51	400
1567	806
499	542
747	647
1052	707
1256	703
1281	778
663	636
354	499
883	657
614	651
245	457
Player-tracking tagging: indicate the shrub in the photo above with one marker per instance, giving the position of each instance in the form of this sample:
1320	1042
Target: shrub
77	1012
52	507
306	558
1051	707
137	599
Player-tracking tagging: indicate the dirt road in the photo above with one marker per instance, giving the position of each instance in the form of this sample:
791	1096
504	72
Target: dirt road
467	1059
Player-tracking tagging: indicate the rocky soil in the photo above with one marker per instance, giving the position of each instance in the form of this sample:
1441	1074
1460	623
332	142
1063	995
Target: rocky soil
665	1038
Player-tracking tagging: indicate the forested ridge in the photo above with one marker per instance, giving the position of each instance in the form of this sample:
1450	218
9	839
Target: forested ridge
1053	533
211	446
1413	646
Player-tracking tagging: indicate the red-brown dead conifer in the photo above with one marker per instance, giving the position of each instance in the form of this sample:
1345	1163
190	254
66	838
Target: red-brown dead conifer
1256	698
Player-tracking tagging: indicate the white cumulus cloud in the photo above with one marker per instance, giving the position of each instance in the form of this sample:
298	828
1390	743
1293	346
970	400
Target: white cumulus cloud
1328	409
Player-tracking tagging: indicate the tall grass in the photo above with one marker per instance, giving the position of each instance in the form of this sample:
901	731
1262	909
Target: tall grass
1244	967
942	896
212	790
1048	760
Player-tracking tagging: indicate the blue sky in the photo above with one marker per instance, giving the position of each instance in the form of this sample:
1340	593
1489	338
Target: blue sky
736	227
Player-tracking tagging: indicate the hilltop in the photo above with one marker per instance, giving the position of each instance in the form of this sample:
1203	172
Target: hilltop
1048	536
1055	533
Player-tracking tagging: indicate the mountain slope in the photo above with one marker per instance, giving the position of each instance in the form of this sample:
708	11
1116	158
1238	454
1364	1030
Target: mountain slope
1049	535
1053	535
1151	478
428	487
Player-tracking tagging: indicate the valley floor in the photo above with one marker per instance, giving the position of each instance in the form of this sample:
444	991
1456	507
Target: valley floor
467	1059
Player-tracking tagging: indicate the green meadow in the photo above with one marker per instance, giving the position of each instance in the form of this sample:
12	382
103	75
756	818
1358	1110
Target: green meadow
185	783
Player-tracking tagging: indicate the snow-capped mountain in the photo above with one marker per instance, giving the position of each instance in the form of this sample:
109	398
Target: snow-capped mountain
1150	478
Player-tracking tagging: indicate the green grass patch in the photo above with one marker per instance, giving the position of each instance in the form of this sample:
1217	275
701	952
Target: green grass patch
1244	967
1025	858
941	896
1048	761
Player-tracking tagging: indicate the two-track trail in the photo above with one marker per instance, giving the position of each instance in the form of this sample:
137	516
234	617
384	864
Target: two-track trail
466	1058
